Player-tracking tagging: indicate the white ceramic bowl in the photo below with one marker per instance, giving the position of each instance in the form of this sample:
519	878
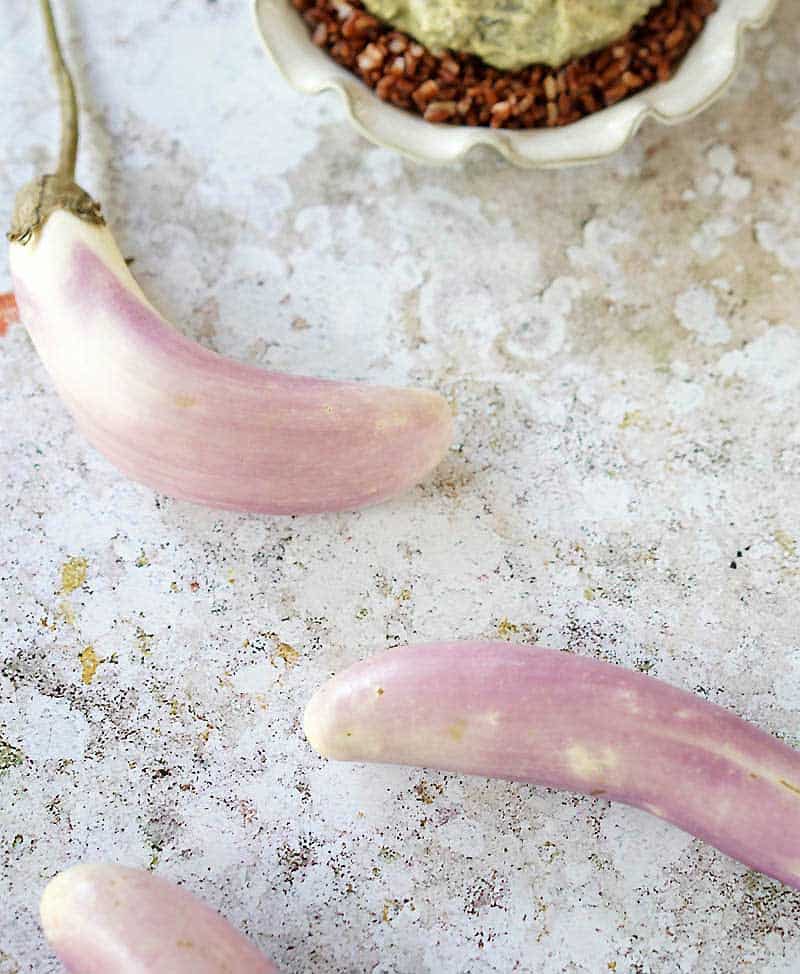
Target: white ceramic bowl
702	77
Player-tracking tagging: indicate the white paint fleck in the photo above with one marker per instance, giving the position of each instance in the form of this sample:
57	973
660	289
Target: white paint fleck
786	686
46	728
540	326
681	369
721	158
707	241
707	184
684	397
772	361
784	245
643	848
605	497
382	167
736	188
696	310
602	237
255	678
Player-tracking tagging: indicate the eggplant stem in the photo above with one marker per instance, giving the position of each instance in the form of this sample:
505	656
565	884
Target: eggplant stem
39	199
68	153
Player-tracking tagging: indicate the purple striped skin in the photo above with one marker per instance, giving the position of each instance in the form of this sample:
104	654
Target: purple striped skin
564	721
195	425
107	919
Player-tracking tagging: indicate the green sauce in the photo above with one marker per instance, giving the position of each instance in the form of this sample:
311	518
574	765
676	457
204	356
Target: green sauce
512	33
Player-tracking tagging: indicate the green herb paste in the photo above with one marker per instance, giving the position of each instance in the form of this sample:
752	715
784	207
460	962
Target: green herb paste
512	33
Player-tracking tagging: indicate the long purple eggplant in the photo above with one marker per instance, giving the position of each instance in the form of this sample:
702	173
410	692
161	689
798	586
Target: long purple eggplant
564	721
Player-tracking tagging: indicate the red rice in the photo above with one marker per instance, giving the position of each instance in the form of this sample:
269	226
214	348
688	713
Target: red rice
460	89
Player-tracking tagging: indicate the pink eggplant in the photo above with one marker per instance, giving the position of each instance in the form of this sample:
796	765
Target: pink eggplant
564	721
103	919
175	416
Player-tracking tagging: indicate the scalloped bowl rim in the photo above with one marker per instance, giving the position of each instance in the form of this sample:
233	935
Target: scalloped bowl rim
702	78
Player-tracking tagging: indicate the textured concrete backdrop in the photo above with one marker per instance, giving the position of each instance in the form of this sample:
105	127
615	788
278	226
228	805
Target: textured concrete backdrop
622	347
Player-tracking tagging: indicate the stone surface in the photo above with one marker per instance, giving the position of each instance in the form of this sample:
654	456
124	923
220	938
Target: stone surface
622	346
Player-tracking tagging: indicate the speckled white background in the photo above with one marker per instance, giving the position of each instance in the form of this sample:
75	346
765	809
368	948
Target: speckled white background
622	345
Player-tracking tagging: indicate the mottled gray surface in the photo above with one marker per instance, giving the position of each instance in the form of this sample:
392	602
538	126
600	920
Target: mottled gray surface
622	346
